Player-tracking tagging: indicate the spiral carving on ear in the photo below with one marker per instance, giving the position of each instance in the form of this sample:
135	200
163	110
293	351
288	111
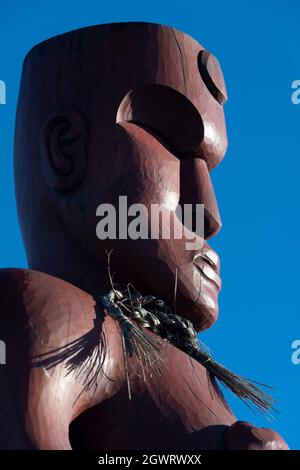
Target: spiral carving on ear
63	143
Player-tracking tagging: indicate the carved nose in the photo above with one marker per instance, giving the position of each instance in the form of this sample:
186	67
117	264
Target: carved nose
196	188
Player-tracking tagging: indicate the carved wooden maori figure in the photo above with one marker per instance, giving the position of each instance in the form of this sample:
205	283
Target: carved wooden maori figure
131	109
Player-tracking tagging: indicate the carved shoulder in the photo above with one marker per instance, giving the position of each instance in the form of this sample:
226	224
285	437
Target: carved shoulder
32	300
38	312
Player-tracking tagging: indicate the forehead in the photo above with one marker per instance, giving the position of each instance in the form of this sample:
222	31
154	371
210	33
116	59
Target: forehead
125	55
152	53
185	65
97	67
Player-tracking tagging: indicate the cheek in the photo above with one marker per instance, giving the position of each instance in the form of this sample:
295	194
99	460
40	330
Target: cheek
141	169
151	172
157	180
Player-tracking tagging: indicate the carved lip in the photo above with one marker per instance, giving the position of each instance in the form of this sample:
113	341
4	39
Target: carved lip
208	262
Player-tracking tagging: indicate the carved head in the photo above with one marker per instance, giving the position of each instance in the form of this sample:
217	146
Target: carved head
130	109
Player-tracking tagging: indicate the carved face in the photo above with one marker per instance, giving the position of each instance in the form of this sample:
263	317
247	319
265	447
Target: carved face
167	138
150	126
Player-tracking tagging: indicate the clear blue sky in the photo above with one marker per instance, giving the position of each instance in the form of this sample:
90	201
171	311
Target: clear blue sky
257	185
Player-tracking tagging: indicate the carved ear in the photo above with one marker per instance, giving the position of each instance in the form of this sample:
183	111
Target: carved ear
63	143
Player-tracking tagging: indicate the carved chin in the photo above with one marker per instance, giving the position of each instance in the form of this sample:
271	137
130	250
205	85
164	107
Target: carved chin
207	316
203	310
198	302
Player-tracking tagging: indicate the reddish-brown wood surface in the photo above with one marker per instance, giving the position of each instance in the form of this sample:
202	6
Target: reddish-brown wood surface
129	109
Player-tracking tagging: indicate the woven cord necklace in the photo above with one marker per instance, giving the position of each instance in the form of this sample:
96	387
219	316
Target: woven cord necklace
136	316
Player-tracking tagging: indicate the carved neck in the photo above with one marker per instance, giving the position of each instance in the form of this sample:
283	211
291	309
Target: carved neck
65	259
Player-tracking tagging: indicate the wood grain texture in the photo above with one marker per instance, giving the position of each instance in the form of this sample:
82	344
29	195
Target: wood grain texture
132	109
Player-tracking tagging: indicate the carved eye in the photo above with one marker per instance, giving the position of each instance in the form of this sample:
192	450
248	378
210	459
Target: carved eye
211	73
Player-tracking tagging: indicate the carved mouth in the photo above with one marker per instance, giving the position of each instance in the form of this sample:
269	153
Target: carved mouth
209	265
